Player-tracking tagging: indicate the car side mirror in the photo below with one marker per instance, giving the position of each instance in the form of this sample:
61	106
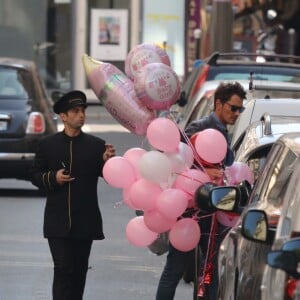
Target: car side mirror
211	198
255	227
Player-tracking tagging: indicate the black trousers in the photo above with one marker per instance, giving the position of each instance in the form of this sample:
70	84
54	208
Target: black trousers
70	258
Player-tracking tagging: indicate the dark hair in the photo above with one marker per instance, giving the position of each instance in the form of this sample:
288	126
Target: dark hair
226	90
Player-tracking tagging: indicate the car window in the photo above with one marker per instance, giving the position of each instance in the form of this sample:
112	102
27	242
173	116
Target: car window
275	177
203	108
257	160
15	83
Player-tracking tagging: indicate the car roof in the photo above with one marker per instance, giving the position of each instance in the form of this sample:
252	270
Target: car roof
255	108
265	132
279	60
17	62
292	141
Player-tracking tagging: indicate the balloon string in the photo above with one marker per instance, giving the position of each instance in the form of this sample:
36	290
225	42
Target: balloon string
189	177
208	265
195	153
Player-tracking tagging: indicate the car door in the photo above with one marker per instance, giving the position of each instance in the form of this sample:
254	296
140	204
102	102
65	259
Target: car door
268	196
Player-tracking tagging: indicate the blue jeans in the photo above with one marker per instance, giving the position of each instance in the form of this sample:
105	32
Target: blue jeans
177	262
172	273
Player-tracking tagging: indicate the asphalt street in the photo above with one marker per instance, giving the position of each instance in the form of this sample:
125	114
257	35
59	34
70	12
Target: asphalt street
118	270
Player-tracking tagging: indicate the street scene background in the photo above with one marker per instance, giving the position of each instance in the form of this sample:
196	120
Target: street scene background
118	270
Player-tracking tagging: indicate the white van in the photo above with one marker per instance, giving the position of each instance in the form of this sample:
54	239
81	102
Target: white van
256	108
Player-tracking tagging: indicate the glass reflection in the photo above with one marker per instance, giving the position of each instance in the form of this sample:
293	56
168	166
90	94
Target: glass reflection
255	226
224	198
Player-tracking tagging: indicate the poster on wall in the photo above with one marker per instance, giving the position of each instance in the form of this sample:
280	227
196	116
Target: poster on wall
109	34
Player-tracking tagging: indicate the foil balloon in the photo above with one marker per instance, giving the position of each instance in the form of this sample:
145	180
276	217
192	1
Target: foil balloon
157	86
142	55
116	91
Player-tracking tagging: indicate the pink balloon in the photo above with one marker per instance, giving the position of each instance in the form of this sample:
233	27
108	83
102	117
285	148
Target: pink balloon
134	155
227	218
142	55
157	86
211	145
185	234
127	200
163	134
143	194
190	180
116	91
157	222
114	170
238	172
172	203
139	234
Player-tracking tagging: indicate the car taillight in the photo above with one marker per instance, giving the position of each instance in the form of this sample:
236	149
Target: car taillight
202	77
290	288
36	123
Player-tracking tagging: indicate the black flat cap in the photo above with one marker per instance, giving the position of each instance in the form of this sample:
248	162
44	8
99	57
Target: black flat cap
70	100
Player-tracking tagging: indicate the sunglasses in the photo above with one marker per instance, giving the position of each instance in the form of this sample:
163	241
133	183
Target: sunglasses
235	108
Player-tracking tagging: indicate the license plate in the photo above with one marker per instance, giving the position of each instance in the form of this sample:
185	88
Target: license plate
3	125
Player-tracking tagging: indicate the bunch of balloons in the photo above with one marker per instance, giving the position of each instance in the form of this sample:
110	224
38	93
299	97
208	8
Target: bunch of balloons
134	98
161	182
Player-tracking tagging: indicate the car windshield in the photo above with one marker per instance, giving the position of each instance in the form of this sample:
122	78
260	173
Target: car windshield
15	84
268	73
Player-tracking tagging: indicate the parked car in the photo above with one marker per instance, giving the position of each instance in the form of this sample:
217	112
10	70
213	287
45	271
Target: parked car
26	116
237	66
257	140
280	282
242	259
254	110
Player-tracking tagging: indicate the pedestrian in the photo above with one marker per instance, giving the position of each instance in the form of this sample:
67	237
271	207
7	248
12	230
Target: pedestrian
228	104
66	167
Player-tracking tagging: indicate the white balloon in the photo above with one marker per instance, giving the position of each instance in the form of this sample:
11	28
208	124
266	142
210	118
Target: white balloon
155	166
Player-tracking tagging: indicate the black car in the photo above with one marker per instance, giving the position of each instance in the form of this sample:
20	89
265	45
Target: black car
237	67
26	116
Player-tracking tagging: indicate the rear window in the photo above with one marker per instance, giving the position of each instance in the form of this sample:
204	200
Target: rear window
261	72
15	83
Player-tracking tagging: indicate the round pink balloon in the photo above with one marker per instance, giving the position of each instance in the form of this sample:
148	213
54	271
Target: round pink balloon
211	145
157	222
127	200
238	172
139	234
190	180
116	91
157	86
142	55
143	194
134	155
172	203
163	134
226	218
185	234
114	170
